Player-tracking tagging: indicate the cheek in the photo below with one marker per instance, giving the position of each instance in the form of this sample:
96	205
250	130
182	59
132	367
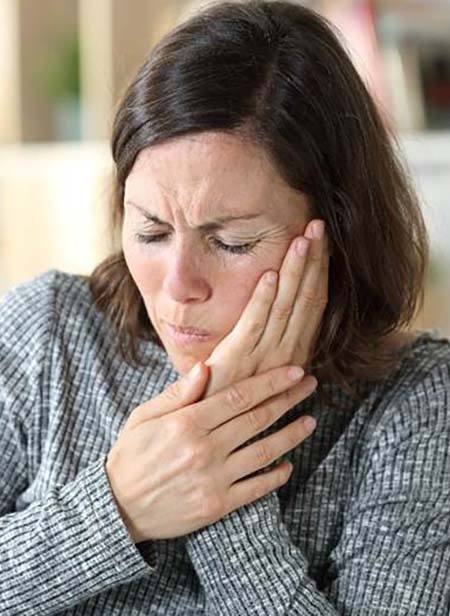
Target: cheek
139	266
232	292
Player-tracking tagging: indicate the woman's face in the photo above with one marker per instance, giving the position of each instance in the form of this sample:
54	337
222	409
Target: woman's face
190	274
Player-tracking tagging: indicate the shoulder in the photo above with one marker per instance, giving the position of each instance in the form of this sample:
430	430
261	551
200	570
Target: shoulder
423	369
28	296
42	299
56	314
43	309
415	400
29	313
423	374
26	312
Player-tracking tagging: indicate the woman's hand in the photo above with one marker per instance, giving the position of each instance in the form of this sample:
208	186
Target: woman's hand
280	323
176	466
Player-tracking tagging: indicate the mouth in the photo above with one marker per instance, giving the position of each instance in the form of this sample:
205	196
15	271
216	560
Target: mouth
188	334
189	331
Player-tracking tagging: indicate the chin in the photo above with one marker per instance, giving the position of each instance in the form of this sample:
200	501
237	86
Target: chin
183	362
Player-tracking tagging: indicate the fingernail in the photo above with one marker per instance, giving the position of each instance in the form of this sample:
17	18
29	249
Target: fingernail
301	247
295	373
319	229
309	423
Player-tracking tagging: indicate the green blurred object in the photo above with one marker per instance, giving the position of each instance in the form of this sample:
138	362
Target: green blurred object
58	78
59	75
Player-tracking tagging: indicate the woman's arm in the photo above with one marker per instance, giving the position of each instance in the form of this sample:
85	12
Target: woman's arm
393	554
70	544
65	548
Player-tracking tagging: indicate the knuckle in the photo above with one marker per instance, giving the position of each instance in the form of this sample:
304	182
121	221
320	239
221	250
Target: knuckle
321	302
187	456
193	455
308	302
236	399
200	457
263	453
281	313
309	296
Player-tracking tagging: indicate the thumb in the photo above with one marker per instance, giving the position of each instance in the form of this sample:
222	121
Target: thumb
186	390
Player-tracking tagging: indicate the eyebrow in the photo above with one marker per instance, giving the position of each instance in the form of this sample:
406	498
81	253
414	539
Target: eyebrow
207	226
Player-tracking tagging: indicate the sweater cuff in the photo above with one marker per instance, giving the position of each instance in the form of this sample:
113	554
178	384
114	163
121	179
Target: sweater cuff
245	538
110	533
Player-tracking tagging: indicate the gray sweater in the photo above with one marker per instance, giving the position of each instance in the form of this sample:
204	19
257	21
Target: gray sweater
362	526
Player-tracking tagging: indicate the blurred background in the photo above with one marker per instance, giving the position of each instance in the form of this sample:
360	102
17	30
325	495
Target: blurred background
65	64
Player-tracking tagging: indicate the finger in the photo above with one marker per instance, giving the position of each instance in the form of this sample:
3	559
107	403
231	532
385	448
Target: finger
267	450
253	320
244	428
289	280
305	304
249	490
182	393
239	397
309	335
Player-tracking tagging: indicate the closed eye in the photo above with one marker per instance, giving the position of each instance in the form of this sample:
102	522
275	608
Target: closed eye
231	248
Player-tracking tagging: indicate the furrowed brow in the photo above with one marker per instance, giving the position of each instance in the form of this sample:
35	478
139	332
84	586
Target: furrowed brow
208	226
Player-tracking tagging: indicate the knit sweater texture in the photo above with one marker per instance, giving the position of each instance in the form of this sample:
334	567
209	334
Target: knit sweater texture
362	527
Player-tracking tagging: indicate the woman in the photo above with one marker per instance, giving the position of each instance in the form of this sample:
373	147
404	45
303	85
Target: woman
133	484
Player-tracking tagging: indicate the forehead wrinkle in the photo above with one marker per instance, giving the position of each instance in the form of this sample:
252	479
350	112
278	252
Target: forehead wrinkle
210	225
199	201
211	205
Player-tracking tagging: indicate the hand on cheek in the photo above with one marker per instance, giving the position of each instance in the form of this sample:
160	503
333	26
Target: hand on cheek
280	323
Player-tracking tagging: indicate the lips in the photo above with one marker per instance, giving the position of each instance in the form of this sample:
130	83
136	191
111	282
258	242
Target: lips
192	331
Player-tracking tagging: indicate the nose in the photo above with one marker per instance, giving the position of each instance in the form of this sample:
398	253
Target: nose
185	276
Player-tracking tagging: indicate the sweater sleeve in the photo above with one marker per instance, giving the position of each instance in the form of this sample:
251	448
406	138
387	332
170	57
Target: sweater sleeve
70	544
393	555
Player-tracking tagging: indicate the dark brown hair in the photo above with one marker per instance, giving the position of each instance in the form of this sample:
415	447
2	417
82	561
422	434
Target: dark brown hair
276	73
